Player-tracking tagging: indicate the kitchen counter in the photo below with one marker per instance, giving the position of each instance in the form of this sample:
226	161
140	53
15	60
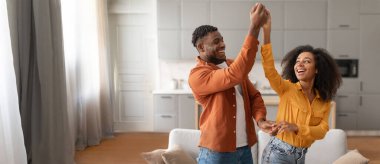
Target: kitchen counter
172	91
269	97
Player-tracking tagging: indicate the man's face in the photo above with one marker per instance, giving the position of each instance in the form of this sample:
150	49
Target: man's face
213	48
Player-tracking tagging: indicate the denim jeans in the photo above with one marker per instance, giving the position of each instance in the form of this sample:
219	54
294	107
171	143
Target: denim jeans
279	152
242	155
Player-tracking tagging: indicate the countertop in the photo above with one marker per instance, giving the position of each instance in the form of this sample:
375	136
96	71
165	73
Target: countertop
172	91
269	97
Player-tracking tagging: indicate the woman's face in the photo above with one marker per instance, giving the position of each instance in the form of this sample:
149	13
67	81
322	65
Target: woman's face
305	67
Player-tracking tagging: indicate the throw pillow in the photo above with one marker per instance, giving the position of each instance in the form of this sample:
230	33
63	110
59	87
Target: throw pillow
352	157
154	157
177	156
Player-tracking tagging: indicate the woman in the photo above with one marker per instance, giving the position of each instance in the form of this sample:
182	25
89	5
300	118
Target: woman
310	79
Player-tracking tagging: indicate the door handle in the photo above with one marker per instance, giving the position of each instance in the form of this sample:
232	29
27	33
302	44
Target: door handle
344	25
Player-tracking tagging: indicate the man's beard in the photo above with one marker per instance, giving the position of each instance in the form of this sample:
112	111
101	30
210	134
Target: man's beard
215	60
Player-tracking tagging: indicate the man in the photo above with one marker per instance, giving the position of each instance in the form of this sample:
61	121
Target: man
228	98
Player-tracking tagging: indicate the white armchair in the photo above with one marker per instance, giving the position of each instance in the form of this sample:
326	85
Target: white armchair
326	151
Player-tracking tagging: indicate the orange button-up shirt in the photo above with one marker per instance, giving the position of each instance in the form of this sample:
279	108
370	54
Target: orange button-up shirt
294	106
213	88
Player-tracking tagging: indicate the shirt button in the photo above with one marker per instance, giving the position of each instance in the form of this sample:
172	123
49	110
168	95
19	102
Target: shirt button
234	116
233	93
234	105
234	131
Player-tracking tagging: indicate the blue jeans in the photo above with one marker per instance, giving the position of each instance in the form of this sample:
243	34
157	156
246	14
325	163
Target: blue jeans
279	152
242	155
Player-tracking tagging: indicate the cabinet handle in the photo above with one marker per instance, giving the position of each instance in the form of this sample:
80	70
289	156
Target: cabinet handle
342	115
344	25
190	97
166	97
361	101
343	56
342	96
361	85
166	116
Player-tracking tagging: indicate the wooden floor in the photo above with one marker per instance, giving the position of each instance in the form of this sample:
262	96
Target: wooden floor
125	148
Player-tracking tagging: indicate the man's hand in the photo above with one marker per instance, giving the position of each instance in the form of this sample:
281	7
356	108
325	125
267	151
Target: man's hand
258	18
286	126
268	127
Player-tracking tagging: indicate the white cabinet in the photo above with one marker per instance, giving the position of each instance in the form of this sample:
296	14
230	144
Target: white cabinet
230	14
188	51
346	120
343	14
304	15
343	24
169	24
370	6
277	13
234	40
348	102
369	53
343	43
315	38
165	112
195	13
349	86
369	113
169	44
186	112
277	41
168	12
174	111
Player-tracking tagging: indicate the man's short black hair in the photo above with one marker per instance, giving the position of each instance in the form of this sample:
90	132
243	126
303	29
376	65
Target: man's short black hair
202	31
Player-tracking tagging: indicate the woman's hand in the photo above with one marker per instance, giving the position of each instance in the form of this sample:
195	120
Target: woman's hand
267	26
288	127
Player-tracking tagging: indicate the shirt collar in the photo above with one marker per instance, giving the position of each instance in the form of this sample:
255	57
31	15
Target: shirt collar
298	85
200	61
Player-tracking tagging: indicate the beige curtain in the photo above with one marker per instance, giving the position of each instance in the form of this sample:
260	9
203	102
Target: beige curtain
88	70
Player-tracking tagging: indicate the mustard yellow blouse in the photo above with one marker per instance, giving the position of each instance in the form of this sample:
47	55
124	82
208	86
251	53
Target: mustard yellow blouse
294	106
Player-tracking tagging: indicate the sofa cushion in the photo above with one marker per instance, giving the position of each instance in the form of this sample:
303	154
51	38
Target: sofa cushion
177	156
154	157
352	157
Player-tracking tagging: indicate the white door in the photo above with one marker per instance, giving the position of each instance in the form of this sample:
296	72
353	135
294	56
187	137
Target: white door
132	47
